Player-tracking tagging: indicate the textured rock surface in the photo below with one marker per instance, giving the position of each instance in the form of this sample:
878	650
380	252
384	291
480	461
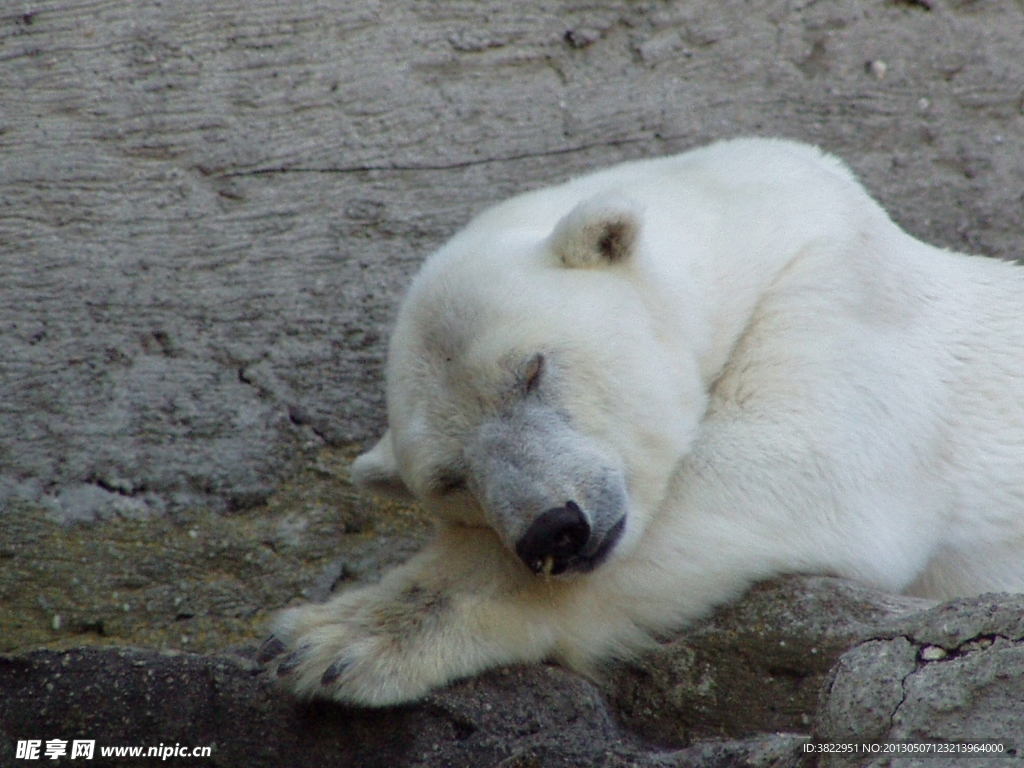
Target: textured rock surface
884	688
142	698
209	213
534	716
512	718
197	580
952	674
754	666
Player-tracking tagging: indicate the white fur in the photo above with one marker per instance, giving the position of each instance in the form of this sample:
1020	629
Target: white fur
788	382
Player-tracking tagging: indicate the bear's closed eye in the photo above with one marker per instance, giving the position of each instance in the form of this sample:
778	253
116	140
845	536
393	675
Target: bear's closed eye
533	372
446	484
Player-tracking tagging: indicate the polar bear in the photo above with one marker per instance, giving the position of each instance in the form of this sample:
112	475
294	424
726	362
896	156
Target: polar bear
628	397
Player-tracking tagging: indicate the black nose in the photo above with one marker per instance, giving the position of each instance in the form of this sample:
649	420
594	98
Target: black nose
555	540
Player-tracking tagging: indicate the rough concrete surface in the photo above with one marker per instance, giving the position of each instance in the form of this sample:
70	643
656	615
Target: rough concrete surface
208	213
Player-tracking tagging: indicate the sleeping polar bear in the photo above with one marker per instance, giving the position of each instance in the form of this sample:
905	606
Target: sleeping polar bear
628	397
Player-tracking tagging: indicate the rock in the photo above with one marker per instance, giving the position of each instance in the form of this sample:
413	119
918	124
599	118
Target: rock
196	580
896	688
867	688
881	690
86	503
525	716
754	666
208	218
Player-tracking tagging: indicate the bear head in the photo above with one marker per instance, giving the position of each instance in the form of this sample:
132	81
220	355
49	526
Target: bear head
532	386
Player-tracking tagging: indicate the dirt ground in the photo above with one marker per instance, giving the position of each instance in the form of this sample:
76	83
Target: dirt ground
197	581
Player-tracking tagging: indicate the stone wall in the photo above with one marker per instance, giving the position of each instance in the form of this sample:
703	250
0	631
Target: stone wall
209	212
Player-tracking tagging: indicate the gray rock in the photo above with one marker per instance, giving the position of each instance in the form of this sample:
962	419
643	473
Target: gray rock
87	503
209	214
898	688
517	717
756	665
882	689
866	689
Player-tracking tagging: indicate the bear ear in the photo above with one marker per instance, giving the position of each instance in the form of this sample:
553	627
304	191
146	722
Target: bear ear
597	232
376	471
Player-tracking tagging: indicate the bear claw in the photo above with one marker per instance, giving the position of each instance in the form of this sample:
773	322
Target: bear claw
335	671
290	662
272	648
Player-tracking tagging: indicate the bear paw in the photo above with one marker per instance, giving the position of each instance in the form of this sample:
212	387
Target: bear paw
358	651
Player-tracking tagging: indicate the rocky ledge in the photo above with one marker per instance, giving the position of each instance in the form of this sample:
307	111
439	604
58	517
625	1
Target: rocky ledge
798	661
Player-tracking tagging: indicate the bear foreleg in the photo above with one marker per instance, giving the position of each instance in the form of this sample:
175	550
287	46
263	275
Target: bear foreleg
463	605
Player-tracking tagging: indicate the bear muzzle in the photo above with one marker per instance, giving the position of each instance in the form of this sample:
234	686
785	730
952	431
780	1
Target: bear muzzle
561	540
